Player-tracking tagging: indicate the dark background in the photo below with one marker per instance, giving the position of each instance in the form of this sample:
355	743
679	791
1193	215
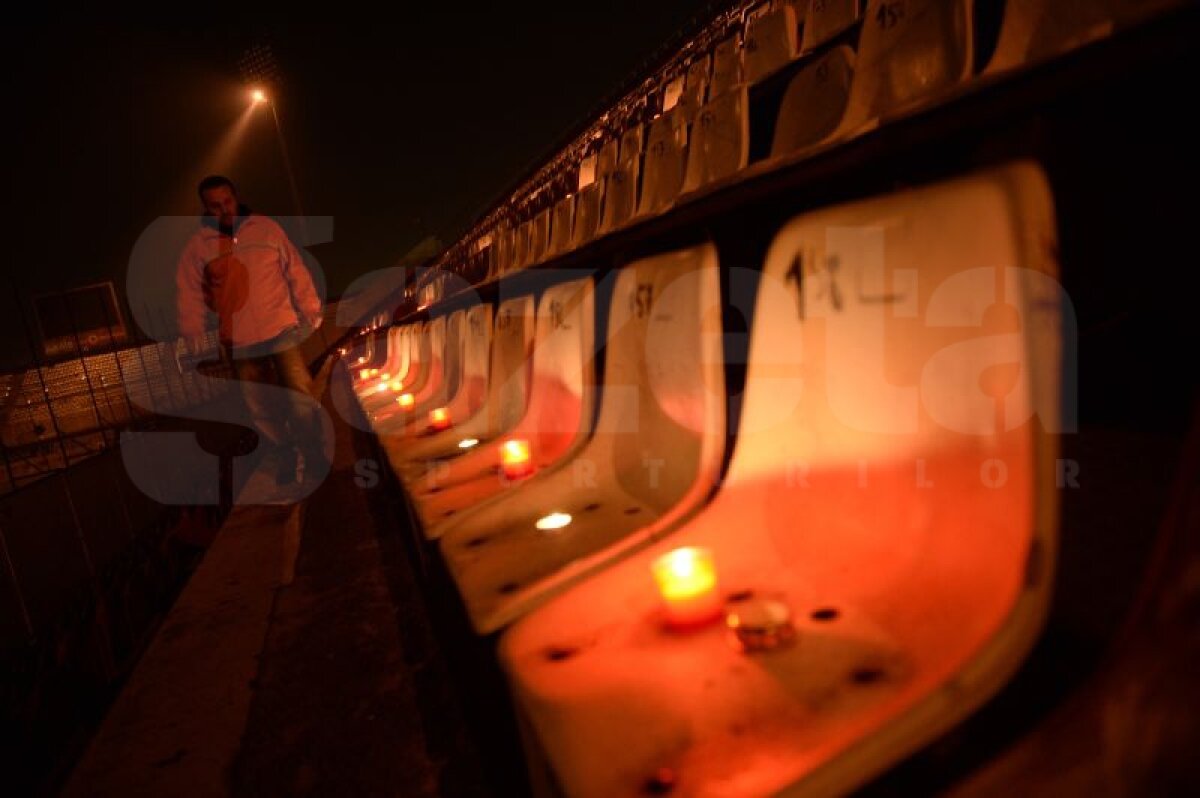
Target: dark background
398	131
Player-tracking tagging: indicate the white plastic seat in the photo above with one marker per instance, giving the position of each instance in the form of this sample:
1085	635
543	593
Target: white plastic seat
467	379
507	367
651	461
814	103
771	42
556	422
908	55
1034	30
892	485
621	184
695	89
560	225
539	236
520	246
435	345
720	140
666	159
826	19
587	214
726	67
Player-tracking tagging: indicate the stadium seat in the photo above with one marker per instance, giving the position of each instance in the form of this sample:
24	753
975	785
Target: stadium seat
726	68
587	214
556	421
770	42
666	159
826	19
892	489
435	345
814	102
560	226
695	89
507	392
539	237
520	246
720	140
652	460
908	54
621	185
1034	30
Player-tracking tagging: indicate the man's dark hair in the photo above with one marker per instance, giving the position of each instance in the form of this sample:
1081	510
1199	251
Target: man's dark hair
214	181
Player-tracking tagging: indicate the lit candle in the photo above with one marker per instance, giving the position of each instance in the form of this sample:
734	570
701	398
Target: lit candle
439	419
406	401
365	374
687	582
515	459
396	385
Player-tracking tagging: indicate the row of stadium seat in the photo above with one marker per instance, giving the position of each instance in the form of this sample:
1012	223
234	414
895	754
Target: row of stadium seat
890	483
852	68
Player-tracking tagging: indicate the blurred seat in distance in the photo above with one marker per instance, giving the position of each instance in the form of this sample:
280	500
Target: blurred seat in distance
587	214
726	67
826	19
652	460
561	222
695	89
507	394
665	161
910	52
893	486
814	103
770	42
621	187
435	350
1034	30
539	236
720	140
556	422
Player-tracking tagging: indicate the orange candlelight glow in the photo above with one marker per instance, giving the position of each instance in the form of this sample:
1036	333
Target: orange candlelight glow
396	385
365	374
515	459
406	401
439	419
687	582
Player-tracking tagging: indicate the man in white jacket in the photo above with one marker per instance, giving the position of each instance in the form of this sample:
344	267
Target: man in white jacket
242	266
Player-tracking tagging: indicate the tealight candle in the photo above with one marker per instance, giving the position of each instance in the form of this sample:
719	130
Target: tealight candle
515	459
365	374
396	385
687	582
439	419
406	401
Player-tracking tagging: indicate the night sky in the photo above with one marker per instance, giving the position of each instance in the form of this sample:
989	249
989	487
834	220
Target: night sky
398	132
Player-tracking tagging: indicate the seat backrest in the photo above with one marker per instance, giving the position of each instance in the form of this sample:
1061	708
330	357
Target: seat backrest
561	223
720	140
539	236
511	363
665	160
520	249
472	390
662	409
1034	30
826	19
771	42
920	325
606	158
727	66
562	391
621	187
587	213
432	347
815	102
695	88
909	52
